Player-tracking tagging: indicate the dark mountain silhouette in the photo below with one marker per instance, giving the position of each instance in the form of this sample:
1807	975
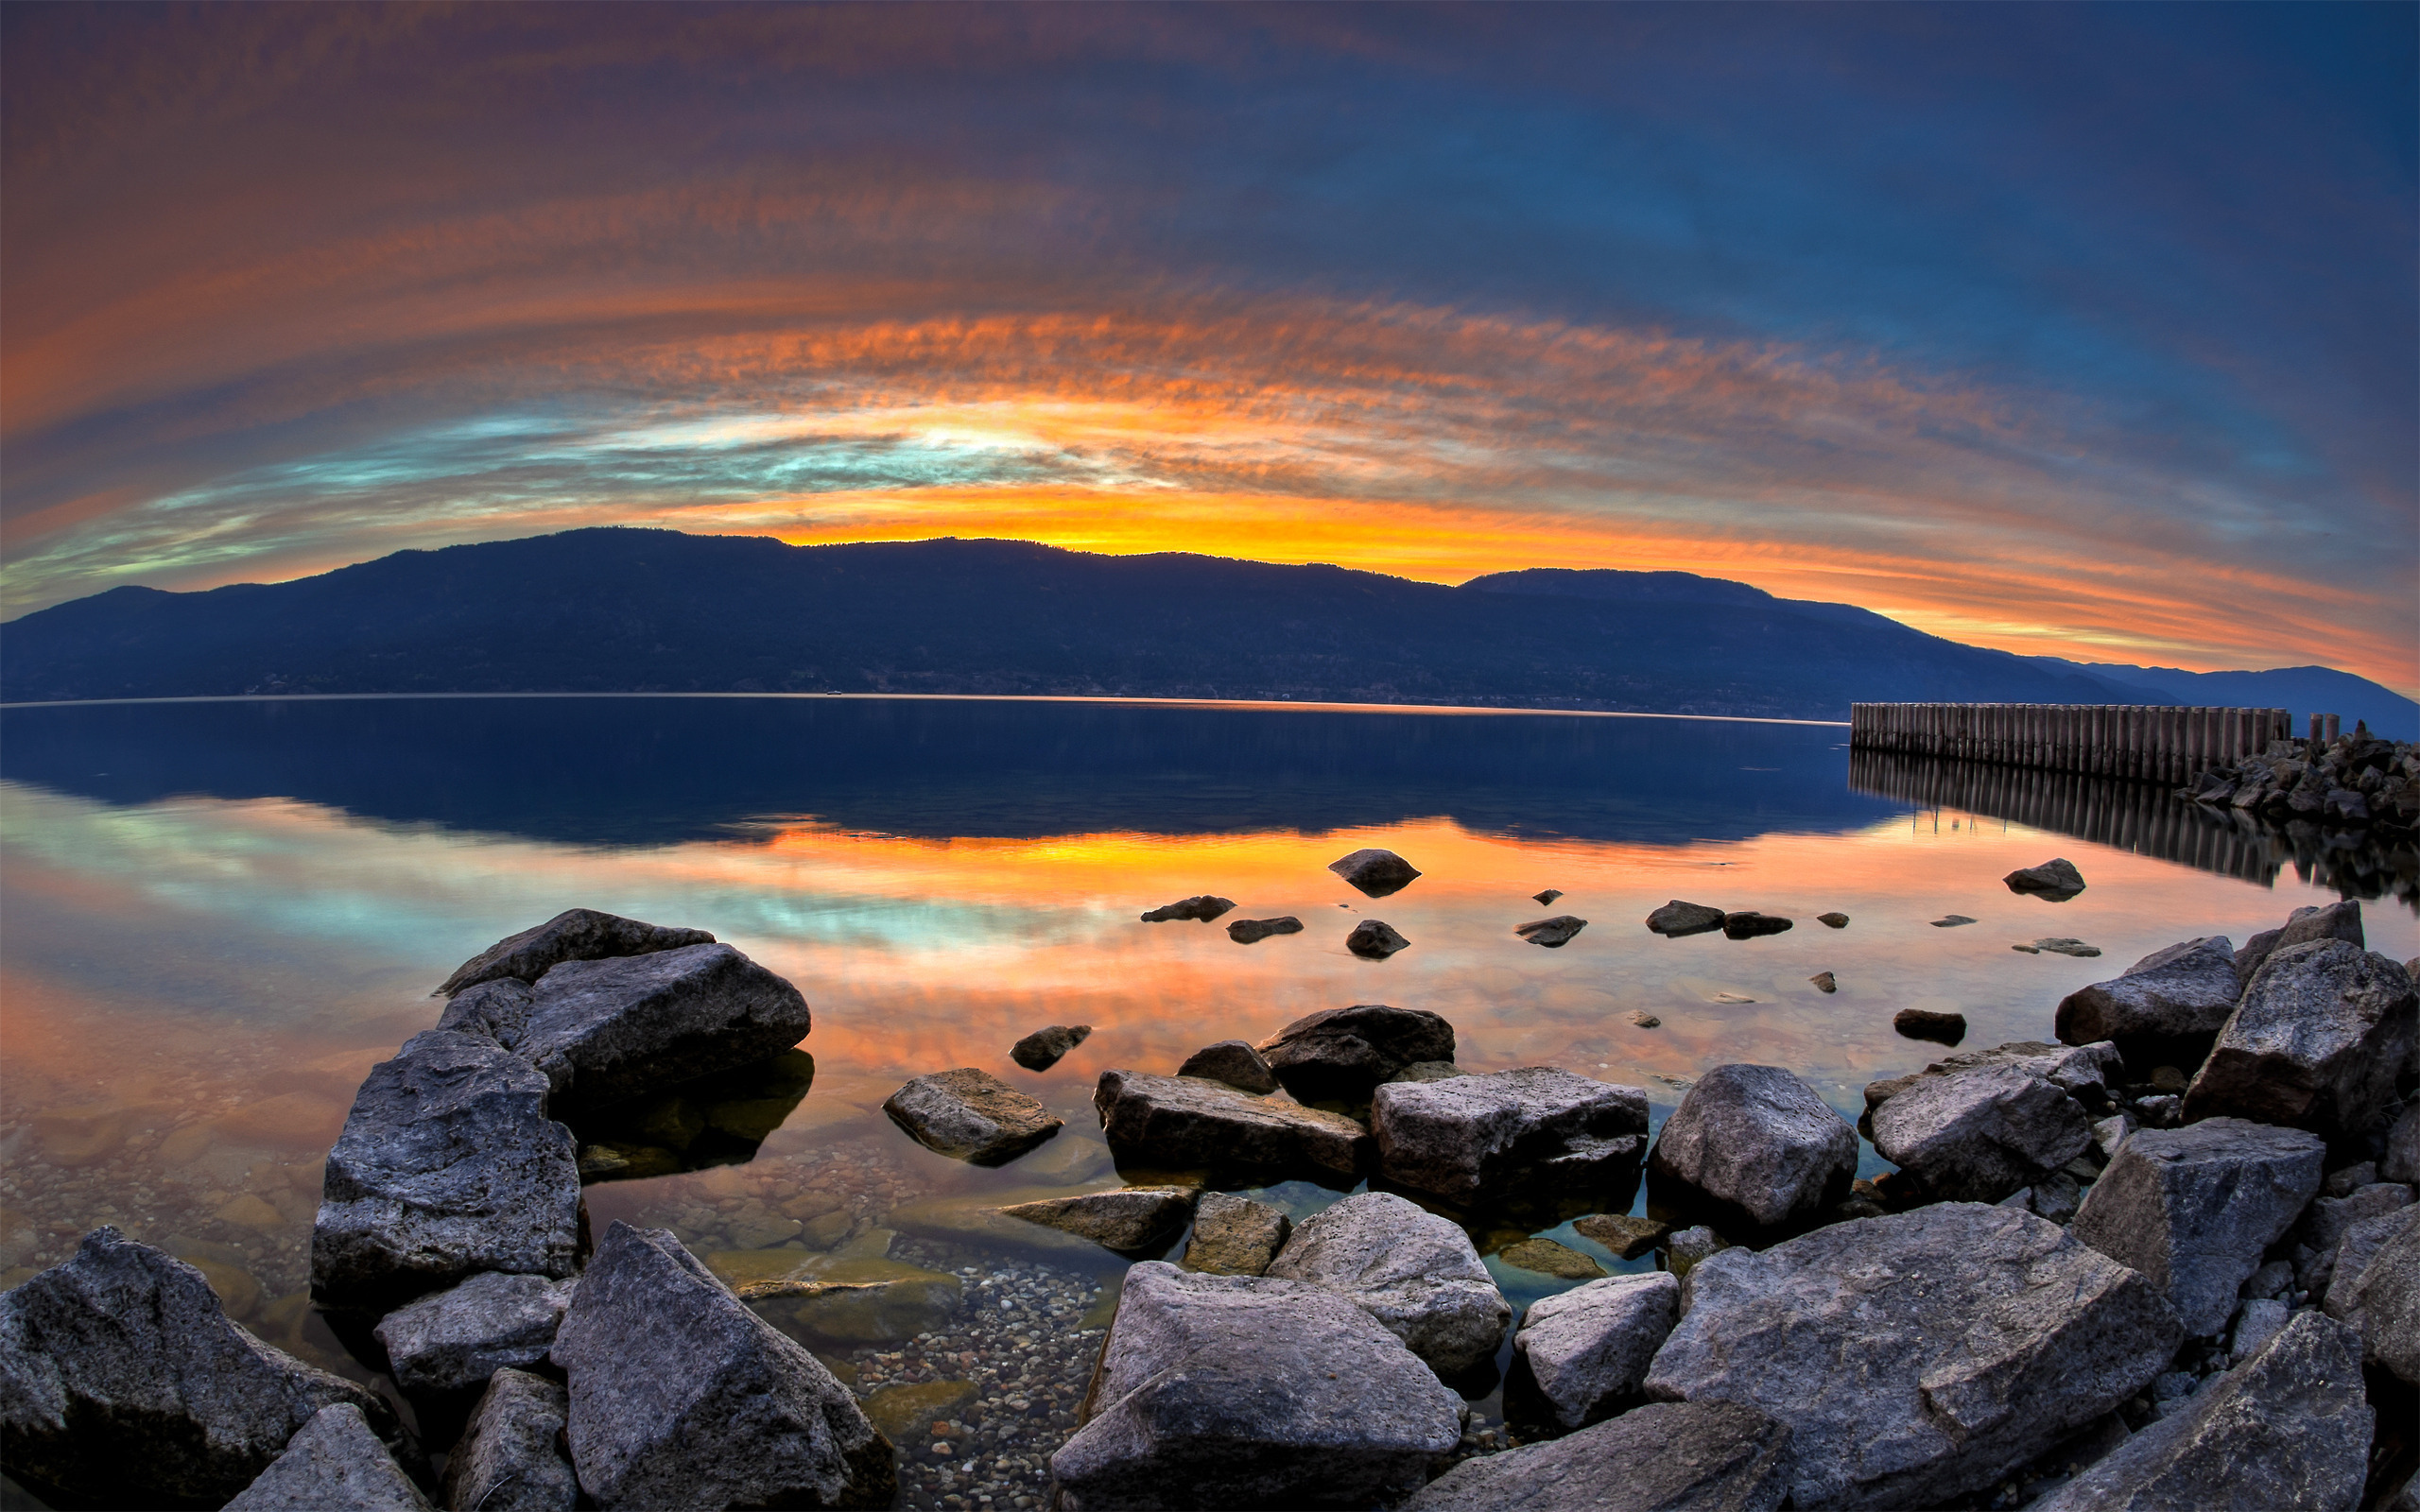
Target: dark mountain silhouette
2299	689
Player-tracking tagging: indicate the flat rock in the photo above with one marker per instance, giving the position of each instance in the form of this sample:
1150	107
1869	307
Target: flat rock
1344	1053
1252	931
1546	1257
1627	1237
511	1457
334	1462
1375	940
574	934
2317	1042
1247	1391
2059	945
123	1383
2194	1208
1749	925
1979	1127
1234	1236
1547	897
1200	908
610	1031
1717	1456
969	1114
1939	1025
1469	1138
2056	880
681	1398
1414	1272
1376	872
1676	919
1042	1049
455	1339
1588	1349
1833	921
2288	1428
2320	922
1918	1357
1551	932
448	1165
1232	1061
975	1218
2171	1002
1123	1218
1183	1123
1757	1140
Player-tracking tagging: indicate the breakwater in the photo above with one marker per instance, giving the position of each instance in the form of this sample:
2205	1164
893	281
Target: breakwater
2148	743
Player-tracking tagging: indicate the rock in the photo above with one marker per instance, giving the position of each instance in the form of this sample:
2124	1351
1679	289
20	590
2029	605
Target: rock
2348	1179
1545	1257
1951	920
1344	1053
1476	1138
2161	1112
1979	1126
1627	1237
610	1031
2401	1161
1200	907
971	1115
1245	1391
1377	873
2194	1208
1826	982
1123	1218
2255	1323
1645	1020
1688	1247
511	1457
975	1218
2054	880
1181	1123
2387	1301
1588	1347
334	1462
2288	1428
2059	945
1252	931
1232	1061
497	1009
1041	1050
1750	925
2317	1041
906	1413
2057	1196
681	1396
574	934
1552	932
858	1299
1938	1025
2348	1277
123	1383
2303	926
1676	919
455	1339
1921	1356
1374	940
1758	1142
1429	1071
1542	900
2275	1277
1414	1272
1716	1455
2330	1218
448	1165
2171	1002
1234	1236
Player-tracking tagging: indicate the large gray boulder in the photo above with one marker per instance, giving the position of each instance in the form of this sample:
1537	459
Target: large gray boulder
1588	1349
1921	1356
1411	1270
2321	1032
2288	1428
971	1115
2347	1296
1378	873
2194	1208
1187	1121
2167	1007
681	1398
2325	1224
454	1340
2320	922
334	1462
1247	1392
1468	1139
123	1383
1979	1127
448	1165
1757	1140
2377	1289
574	934
1344	1053
1669	1456
609	1031
511	1458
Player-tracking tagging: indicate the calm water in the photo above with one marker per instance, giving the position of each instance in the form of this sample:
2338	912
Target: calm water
214	917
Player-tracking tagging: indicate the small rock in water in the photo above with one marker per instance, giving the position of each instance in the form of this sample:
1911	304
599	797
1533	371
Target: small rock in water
1750	924
1126	1218
972	1115
1234	1236
1201	907
2054	880
1833	921
1690	1246
1826	982
1551	932
1929	1023
1374	940
1951	921
1344	1053
1232	1061
1252	931
1627	1237
1042	1049
1547	1257
2058	945
1547	897
574	934
1676	919
1646	1019
1185	1121
1377	873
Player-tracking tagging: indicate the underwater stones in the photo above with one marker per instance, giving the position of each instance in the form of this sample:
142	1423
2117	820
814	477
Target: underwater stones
971	1115
1414	1272
1627	1237
1547	1257
334	1462
1552	932
454	1340
1234	1236
1043	1048
2174	1001
2317	1041
509	1458
1376	872
1718	1456
1375	940
1941	1027
1757	1140
1200	908
1469	1138
1252	931
864	1299
1588	1349
609	1031
1344	1053
1676	919
975	1218
2054	880
574	934
1232	1061
1183	1123
1750	924
1123	1218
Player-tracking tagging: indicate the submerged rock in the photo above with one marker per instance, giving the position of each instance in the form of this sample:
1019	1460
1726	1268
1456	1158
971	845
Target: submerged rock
1588	1349
1124	1218
610	1031
1252	931
1716	1455
1757	1140
1676	919
2056	880
1545	1257
1183	1123
2317	1042
1234	1236
2171	1002
1042	1049
1375	940
511	1457
1344	1053
454	1340
1232	1061
1471	1138
1627	1237
858	1299
1200	908
2059	945
334	1462
1751	925
574	934
971	1115
1414	1272
1551	932
1376	872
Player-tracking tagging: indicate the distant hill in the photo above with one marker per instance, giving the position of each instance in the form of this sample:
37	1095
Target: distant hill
2299	689
631	611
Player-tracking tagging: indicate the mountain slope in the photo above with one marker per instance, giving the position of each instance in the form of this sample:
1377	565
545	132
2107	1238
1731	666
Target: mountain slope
2300	689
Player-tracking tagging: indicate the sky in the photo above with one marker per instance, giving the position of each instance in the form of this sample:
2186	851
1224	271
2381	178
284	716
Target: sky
2088	331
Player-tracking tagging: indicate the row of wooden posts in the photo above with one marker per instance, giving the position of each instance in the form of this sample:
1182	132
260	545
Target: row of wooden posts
2153	743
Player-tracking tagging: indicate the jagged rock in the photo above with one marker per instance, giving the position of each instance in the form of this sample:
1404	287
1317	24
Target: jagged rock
2401	1161
1202	908
2059	945
123	1383
1344	1053
1123	1218
609	1031
2194	1208
1375	940
1547	1257
1749	925
1756	1139
1627	1237
1414	1272
1833	921
2329	1219
334	1462
454	1340
511	1458
1247	1391
1180	1123
1588	1349
681	1396
1042	1049
2386	1299
1252	931
2289	1428
1542	900
2255	1323
1941	1027
1718	1456
1826	982
2349	1276
1232	1061
497	1008
1468	1139
971	1115
1921	1356
2056	880
2303	926
2321	1032
574	934
1376	872
448	1165
1979	1126
2172	1002
1234	1236
1552	932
